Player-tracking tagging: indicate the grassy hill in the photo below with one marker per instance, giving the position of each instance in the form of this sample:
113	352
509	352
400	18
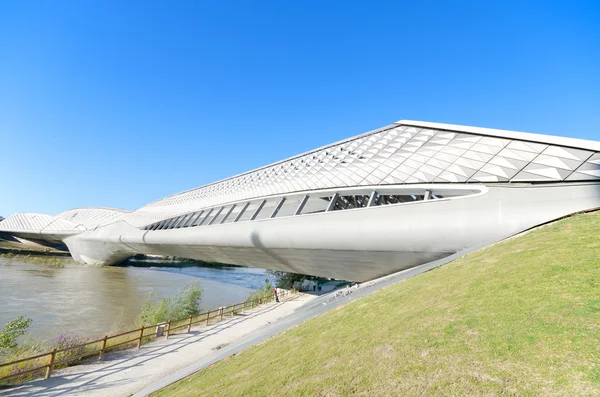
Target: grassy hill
521	317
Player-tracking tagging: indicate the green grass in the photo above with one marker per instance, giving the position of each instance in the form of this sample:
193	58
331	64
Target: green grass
521	317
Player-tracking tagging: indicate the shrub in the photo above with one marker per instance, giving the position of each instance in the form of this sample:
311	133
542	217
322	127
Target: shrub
286	280
185	303
265	293
68	339
153	311
12	330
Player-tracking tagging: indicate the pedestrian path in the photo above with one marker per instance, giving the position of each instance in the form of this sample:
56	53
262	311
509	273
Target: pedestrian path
126	372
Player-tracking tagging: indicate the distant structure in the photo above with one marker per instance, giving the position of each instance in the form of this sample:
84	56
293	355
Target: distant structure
370	205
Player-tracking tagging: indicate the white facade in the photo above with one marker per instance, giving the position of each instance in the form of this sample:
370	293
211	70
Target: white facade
357	209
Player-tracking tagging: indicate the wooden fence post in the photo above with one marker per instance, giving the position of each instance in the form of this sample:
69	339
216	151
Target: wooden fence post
140	338
168	329
221	313
207	317
259	301
49	367
233	310
103	347
190	324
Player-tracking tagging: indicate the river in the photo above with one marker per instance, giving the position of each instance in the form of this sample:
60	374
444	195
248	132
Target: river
93	301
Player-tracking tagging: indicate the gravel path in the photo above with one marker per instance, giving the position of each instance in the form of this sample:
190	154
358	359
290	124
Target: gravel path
126	372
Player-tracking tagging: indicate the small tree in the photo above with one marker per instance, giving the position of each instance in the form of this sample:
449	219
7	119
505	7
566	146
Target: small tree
185	303
265	293
153	311
286	280
12	330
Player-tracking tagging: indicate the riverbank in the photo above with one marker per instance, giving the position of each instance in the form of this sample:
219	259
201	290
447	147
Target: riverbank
32	252
93	301
9	244
12	249
124	373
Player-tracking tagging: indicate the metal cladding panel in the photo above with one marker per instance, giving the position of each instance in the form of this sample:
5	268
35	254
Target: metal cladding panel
92	218
75	220
399	154
32	222
404	153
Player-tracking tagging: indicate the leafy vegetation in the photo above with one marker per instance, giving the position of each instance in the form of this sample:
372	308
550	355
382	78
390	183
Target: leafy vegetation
70	340
265	293
12	331
286	280
185	303
11	350
517	318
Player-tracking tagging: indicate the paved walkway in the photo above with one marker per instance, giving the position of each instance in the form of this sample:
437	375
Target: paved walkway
126	372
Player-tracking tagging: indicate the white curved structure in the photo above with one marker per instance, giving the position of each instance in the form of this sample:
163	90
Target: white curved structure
34	226
361	208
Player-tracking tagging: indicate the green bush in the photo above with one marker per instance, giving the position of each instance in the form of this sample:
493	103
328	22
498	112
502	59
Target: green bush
265	293
12	330
286	280
185	303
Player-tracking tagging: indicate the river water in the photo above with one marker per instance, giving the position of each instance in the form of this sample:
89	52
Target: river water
93	301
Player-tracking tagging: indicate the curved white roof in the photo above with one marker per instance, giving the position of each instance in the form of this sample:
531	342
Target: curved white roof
406	152
32	222
524	136
75	220
92	217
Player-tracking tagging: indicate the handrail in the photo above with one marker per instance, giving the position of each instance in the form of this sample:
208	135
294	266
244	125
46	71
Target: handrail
64	349
204	317
124	333
24	372
25	359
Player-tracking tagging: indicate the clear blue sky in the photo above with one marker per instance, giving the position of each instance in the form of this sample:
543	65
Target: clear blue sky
120	103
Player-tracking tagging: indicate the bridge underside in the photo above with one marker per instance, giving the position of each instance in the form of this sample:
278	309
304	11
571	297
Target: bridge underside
357	209
358	244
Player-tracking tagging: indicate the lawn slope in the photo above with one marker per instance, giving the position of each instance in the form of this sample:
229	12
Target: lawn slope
521	317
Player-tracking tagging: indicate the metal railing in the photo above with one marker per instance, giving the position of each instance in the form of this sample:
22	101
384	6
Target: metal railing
58	357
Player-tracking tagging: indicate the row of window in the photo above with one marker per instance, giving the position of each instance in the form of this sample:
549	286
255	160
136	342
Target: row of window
283	206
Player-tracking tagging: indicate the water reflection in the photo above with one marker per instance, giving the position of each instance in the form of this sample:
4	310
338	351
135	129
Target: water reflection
97	300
